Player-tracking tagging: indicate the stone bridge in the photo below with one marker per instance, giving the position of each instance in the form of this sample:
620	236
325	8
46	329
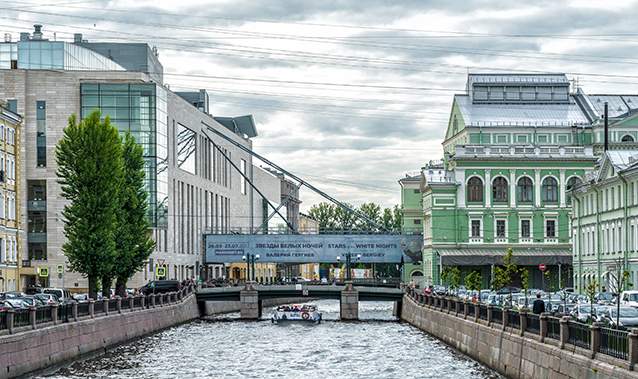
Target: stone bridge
251	296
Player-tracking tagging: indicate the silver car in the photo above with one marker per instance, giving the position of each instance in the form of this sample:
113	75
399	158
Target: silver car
628	317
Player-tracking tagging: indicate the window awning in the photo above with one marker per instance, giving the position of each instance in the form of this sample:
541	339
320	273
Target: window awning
483	256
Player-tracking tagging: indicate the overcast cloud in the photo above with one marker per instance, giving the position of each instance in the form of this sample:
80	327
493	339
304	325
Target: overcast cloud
353	141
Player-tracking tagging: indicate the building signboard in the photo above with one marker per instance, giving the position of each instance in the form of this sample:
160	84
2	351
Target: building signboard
315	248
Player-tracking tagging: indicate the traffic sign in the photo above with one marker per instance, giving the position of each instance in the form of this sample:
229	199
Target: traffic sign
43	272
542	267
160	271
60	269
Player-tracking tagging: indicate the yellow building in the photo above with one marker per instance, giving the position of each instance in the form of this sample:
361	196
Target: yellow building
10	234
264	272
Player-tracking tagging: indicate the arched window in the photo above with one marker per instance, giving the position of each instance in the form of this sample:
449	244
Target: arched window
627	138
475	189
549	190
499	189
525	190
572	183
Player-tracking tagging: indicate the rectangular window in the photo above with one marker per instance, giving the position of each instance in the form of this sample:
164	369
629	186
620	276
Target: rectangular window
12	104
525	229
417	221
476	228
521	138
500	228
550	228
186	145
41	137
242	180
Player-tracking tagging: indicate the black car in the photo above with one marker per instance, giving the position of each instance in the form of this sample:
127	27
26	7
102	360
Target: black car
160	286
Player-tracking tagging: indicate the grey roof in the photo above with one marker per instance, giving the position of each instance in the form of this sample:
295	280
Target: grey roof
622	159
566	114
132	56
616	105
241	125
494	255
518	79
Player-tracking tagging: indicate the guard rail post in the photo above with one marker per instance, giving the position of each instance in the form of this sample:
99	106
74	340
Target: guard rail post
564	331
32	313
54	313
74	310
490	309
105	305
119	305
632	349
10	319
523	322
92	308
152	300
465	309
543	326
143	301
595	338
505	315
131	303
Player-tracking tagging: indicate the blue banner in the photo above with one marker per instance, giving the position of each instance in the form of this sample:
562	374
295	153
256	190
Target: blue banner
313	248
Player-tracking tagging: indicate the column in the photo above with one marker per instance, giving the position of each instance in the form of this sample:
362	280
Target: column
460	194
488	189
249	299
561	188
537	188
513	188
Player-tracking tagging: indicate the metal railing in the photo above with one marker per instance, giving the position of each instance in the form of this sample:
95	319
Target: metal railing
21	318
83	309
497	315
3	320
533	324
614	342
43	314
98	306
553	328
483	312
579	334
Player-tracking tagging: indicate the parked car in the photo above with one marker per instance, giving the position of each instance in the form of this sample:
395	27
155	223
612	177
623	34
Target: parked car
14	303
80	296
64	296
160	286
628	317
47	298
604	298
31	301
629	298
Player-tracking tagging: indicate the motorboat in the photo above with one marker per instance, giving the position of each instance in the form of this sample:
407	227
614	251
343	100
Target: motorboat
305	312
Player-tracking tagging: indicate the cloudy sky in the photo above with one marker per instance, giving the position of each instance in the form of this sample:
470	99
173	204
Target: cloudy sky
352	94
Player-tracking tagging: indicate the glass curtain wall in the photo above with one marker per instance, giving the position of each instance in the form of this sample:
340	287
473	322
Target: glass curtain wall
140	109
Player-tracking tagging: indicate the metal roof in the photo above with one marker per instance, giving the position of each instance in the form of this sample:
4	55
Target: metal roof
622	159
518	79
616	105
494	255
520	114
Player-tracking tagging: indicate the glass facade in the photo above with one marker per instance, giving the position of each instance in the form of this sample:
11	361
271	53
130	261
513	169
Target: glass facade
41	136
142	110
8	54
59	55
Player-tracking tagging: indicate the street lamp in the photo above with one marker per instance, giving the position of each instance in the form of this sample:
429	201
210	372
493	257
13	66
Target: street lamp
349	263
250	260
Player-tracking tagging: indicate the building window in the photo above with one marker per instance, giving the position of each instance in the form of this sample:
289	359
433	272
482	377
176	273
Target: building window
500	228
475	189
572	183
549	190
417	221
186	149
550	228
41	137
499	189
242	180
526	231
627	138
525	190
476	228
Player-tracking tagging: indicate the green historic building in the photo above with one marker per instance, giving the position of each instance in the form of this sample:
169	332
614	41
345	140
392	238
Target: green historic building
514	147
605	221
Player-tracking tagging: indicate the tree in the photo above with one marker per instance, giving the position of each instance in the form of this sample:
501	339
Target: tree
324	213
591	290
451	276
504	275
525	283
134	243
473	282
343	219
397	213
89	171
373	212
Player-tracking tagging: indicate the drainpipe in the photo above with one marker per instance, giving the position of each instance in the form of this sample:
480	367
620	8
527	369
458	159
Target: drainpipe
598	238
579	242
624	222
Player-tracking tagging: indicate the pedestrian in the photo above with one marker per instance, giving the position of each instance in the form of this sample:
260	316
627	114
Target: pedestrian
539	305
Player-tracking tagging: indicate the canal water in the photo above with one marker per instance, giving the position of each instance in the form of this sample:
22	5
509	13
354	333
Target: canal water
381	347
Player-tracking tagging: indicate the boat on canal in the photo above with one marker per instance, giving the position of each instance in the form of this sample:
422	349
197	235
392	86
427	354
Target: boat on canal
304	313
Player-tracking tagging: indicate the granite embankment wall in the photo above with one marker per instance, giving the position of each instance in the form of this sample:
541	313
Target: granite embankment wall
31	350
505	350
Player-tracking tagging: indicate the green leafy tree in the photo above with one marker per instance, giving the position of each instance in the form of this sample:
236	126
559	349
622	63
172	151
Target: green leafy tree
324	213
473	282
451	276
397	214
89	170
133	243
387	220
343	219
590	291
504	275
525	283
373	212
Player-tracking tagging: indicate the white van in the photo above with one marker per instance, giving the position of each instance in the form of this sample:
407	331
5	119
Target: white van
64	296
629	298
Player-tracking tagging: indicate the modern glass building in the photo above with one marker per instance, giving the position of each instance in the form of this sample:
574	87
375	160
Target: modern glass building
141	110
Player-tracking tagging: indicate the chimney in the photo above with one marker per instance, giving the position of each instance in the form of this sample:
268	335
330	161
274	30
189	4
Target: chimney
24	36
606	128
77	38
7	37
37	33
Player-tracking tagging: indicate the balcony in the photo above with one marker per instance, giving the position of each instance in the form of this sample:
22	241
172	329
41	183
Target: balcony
37	205
37	237
500	240
524	151
476	239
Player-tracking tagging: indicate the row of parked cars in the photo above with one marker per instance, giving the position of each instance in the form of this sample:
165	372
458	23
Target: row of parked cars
561	303
43	297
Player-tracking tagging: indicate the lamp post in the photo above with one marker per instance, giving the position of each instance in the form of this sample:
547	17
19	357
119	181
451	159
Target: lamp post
349	263
250	260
